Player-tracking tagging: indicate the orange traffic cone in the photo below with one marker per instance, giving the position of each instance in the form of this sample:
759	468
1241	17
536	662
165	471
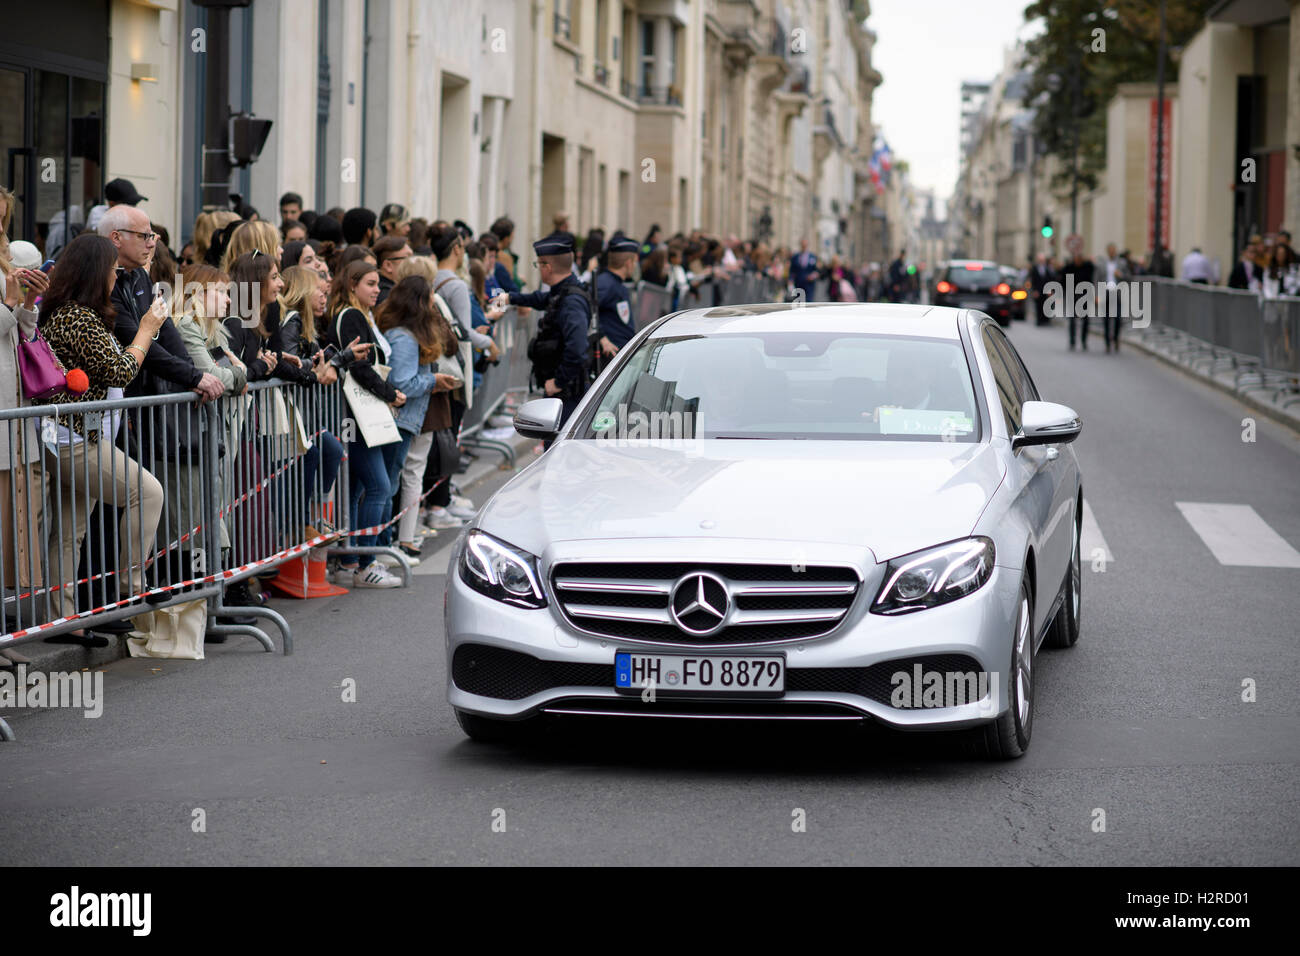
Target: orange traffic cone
304	577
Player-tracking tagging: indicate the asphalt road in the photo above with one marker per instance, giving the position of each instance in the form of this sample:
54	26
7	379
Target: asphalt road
1143	720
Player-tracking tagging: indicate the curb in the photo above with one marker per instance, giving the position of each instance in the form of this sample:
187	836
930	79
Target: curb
72	657
1279	415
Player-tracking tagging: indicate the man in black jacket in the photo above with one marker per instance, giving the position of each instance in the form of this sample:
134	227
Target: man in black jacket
167	368
1246	271
1040	274
129	230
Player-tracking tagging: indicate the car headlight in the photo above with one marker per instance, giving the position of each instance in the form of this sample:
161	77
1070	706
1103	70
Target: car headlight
500	570
935	576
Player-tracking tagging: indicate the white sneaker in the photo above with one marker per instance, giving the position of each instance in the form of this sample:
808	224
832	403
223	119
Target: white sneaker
461	500
375	575
343	575
461	511
442	518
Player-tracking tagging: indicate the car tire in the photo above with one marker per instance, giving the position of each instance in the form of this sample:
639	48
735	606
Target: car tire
485	730
1008	737
1065	627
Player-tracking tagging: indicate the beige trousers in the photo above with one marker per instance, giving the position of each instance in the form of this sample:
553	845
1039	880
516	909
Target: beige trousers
83	473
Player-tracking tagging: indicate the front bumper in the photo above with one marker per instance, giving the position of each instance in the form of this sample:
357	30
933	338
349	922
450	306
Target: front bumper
512	663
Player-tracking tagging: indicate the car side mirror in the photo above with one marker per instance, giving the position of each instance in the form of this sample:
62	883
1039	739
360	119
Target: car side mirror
539	418
1046	423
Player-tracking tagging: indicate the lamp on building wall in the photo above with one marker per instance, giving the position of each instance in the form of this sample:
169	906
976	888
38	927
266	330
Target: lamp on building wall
144	72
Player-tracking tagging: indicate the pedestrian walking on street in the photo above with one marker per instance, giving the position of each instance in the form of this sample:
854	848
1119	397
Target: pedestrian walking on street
1083	270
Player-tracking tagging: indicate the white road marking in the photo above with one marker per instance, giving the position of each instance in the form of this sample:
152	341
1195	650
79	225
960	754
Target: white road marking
1237	535
1091	538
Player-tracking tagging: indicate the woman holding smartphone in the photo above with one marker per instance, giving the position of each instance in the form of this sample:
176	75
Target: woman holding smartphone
302	303
356	288
77	318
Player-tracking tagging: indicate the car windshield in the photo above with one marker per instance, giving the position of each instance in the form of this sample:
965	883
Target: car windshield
969	278
790	385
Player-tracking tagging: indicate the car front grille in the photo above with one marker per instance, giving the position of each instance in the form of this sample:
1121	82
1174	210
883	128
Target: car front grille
877	682
511	675
770	602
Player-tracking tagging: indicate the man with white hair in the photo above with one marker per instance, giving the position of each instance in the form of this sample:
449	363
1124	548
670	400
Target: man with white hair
129	230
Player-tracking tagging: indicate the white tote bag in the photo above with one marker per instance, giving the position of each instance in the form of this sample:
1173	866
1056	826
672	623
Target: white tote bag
372	414
174	632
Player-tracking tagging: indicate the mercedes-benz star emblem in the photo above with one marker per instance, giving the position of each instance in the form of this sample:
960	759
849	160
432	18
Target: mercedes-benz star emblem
700	603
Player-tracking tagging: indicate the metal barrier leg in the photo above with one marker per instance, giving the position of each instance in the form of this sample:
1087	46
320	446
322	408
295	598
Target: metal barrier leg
491	444
258	634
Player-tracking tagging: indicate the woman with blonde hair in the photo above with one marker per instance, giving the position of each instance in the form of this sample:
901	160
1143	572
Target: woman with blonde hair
253	236
198	312
207	225
302	307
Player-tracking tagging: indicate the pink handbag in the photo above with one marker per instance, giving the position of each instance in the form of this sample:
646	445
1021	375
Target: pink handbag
39	369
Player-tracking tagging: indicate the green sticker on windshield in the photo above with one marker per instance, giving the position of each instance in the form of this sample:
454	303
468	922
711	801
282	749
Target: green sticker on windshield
603	421
923	421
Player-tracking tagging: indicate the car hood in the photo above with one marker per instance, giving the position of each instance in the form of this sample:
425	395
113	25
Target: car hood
891	497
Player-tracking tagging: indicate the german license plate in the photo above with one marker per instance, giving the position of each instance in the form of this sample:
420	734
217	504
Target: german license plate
974	304
715	673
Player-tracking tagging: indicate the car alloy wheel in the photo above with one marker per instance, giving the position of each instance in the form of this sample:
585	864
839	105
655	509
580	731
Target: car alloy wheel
1008	737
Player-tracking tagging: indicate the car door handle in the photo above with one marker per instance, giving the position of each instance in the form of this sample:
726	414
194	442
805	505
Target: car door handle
1052	454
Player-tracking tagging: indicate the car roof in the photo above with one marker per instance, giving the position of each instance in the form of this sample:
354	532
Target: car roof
879	318
963	262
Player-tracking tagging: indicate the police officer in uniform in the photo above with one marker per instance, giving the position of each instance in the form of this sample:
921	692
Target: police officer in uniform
613	303
560	352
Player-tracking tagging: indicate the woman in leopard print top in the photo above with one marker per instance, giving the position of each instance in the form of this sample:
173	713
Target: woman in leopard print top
77	320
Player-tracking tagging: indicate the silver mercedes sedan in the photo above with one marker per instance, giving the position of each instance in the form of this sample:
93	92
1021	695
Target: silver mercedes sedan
839	512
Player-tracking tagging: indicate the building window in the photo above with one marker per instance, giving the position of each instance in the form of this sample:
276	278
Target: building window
563	25
647	56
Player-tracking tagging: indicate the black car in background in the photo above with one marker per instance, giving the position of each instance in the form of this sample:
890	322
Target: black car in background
975	284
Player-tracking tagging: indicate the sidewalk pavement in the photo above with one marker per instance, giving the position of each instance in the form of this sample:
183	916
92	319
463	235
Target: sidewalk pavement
48	658
1264	399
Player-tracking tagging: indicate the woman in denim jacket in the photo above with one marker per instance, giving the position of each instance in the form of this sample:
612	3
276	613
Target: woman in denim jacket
407	320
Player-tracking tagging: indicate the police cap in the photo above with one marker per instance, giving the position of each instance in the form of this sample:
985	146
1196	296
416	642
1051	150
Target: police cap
556	244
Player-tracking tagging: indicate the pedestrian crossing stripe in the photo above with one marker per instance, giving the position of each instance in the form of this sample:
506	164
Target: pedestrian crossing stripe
1092	544
1237	536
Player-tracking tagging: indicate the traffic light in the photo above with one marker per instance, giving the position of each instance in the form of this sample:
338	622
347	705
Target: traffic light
247	137
1047	227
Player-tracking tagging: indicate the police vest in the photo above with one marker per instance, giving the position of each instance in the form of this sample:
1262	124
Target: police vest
547	346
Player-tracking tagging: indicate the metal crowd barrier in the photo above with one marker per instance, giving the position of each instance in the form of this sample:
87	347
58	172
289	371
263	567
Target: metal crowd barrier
1259	339
509	376
247	483
651	302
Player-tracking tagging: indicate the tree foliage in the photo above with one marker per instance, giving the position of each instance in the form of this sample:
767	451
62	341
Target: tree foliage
1075	69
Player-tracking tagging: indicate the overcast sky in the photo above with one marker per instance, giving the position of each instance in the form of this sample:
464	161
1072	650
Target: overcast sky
925	49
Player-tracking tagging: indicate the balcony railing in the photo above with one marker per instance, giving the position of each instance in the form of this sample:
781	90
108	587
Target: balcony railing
601	74
627	88
562	26
659	95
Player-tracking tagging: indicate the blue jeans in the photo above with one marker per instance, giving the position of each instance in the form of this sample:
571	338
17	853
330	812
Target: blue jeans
332	449
394	459
372	495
